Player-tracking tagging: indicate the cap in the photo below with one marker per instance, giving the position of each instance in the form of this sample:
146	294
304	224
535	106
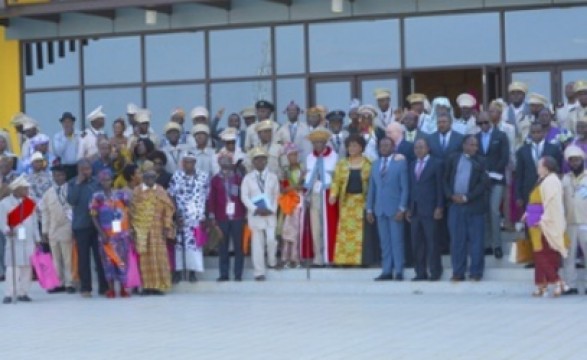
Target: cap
143	116
229	134
264	104
18	119
415	98
199	111
537	99
37	156
518	86
189	155
67	115
96	114
20	181
29	124
466	100
319	134
335	115
248	112
172	125
132	109
200	128
368	110
256	152
574	151
382	93
264	125
580	85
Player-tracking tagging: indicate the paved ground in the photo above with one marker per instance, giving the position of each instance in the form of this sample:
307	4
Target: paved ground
200	323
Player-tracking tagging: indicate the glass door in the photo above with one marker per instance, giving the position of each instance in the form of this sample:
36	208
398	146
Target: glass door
334	94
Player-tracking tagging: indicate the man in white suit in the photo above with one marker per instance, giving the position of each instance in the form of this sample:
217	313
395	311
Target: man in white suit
259	193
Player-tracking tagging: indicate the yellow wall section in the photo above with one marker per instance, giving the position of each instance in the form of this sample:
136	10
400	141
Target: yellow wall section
9	84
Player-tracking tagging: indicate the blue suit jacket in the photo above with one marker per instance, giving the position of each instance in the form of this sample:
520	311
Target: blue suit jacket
388	194
427	193
455	144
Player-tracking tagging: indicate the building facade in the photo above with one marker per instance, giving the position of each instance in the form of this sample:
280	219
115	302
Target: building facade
75	55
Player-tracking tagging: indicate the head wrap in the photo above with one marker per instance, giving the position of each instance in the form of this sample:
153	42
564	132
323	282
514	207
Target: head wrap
574	151
440	101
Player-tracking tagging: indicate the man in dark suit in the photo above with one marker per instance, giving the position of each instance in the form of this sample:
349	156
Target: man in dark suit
426	206
494	150
412	133
527	158
443	143
465	185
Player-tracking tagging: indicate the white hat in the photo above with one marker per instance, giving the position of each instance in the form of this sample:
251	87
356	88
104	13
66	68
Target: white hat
20	181
264	125
228	134
189	155
199	111
19	119
368	110
537	99
37	156
143	116
200	128
518	86
172	125
466	100
574	151
131	109
28	124
96	114
382	93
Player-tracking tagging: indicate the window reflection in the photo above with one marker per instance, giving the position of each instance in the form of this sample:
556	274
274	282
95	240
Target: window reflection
537	81
235	96
240	52
357	45
334	95
114	102
452	40
368	86
112	61
544	41
64	71
175	56
288	90
289	49
162	100
47	108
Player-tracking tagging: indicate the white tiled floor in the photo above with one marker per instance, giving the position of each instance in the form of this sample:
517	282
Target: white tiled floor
257	321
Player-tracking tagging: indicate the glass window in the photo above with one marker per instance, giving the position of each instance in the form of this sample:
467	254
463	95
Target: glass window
288	90
334	95
114	102
235	96
537	81
112	61
289	49
64	71
357	45
175	56
557	34
162	100
368	86
571	75
441	40
240	52
47	108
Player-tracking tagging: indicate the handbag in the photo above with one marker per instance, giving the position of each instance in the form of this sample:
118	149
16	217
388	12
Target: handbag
46	274
133	274
201	236
521	251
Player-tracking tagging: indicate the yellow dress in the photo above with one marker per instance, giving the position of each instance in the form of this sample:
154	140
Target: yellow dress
349	236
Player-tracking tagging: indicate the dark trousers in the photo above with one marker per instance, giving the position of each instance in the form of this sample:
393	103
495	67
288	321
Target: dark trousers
425	247
467	233
231	230
409	255
87	240
443	234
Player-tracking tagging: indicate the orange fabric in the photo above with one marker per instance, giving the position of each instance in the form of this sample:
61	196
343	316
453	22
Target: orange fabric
74	262
246	239
112	255
288	202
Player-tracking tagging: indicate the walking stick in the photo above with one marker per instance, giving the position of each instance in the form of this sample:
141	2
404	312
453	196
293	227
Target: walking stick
13	256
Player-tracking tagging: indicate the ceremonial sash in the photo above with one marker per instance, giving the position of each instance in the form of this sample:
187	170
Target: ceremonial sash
22	212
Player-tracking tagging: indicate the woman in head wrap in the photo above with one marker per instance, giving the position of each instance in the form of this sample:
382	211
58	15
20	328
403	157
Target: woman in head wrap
109	211
439	105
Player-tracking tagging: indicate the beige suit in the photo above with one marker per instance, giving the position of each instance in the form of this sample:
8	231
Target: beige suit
283	136
56	224
276	162
578	115
262	227
88	145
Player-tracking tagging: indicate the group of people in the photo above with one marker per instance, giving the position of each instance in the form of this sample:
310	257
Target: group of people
389	187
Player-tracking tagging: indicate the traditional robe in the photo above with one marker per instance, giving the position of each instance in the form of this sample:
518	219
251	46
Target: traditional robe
15	213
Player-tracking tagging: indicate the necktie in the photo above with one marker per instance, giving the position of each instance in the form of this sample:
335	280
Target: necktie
337	142
536	152
443	142
384	166
419	168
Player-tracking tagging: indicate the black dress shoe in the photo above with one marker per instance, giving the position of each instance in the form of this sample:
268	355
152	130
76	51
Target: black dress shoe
70	290
420	278
7	300
399	277
571	291
176	277
475	278
498	252
238	278
488	251
24	298
455	278
434	278
260	278
529	266
56	290
2	278
157	292
384	277
222	279
192	277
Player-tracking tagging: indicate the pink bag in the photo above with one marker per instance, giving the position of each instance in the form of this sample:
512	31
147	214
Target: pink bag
133	274
43	264
201	236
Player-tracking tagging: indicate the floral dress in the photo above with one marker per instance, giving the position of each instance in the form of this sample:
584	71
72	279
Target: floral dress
190	193
111	210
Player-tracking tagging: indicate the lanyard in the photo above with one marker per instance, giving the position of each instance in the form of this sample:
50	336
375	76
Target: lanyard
261	183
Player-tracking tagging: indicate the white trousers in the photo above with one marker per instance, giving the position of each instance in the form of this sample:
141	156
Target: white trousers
316	227
577	237
24	277
61	252
261	239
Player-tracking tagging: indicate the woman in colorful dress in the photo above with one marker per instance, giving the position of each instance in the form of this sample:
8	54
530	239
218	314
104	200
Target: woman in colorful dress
118	139
545	218
109	210
189	189
349	187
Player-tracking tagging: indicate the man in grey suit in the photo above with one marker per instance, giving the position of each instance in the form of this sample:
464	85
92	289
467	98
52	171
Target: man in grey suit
387	199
